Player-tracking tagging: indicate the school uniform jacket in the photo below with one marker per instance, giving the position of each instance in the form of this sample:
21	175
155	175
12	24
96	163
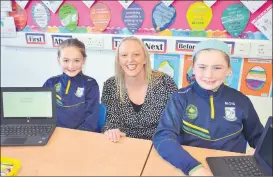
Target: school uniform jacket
77	101
221	120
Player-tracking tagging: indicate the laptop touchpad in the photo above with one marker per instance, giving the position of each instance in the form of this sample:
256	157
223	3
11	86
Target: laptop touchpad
14	141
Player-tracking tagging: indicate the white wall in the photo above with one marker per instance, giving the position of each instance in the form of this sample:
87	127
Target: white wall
33	66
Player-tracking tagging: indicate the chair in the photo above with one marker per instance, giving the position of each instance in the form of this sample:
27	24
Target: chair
102	116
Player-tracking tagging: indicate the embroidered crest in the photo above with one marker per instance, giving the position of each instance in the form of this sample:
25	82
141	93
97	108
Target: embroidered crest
58	87
230	114
192	112
79	92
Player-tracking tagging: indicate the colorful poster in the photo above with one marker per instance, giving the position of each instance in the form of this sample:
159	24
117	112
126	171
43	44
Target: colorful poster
235	19
199	16
264	22
256	77
169	64
100	16
22	3
163	16
68	15
233	80
41	15
53	5
89	3
188	76
8	27
133	17
253	6
125	3
271	91
179	28
20	16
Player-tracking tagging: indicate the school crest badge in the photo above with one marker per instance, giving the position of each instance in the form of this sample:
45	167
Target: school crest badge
230	114
79	92
58	87
191	111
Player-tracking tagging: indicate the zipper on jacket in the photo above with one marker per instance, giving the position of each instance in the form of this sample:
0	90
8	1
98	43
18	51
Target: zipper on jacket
67	87
212	111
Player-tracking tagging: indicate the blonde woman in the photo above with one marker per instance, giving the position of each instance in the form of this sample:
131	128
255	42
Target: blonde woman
136	96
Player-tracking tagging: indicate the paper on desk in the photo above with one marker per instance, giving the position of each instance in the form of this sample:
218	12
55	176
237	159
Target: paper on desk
253	6
264	22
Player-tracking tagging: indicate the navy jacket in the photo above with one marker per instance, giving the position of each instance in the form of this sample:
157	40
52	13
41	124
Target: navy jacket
77	101
221	120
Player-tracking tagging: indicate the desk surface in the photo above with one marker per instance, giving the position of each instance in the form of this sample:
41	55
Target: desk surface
156	166
72	152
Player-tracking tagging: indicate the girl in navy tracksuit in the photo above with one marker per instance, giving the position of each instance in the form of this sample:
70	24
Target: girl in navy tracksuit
77	94
207	113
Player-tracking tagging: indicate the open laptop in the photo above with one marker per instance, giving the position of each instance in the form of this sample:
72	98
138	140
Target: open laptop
258	165
28	115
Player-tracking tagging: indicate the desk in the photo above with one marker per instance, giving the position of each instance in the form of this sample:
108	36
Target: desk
156	166
78	153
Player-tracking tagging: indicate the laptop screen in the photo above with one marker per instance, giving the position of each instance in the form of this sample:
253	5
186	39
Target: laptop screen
27	104
266	148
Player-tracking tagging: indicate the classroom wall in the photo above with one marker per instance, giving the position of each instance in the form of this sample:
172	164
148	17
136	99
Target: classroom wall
25	65
30	67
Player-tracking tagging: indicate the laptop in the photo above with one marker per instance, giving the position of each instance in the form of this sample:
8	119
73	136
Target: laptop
28	115
258	165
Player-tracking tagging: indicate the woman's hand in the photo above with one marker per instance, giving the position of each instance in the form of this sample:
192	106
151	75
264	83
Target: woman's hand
114	135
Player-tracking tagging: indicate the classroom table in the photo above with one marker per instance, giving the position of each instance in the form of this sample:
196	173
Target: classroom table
81	153
156	166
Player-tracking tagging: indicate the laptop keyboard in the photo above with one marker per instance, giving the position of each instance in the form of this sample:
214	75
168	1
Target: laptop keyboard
29	130
243	166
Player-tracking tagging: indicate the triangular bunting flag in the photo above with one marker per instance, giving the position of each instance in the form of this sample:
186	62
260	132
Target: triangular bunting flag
53	5
22	3
89	3
167	2
125	3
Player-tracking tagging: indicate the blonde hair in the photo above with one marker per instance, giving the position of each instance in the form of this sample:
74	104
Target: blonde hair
150	75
